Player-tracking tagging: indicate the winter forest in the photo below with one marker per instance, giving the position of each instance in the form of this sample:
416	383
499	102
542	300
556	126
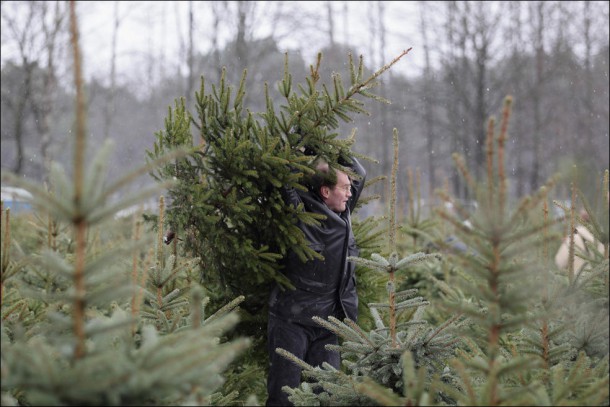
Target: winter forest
151	140
466	57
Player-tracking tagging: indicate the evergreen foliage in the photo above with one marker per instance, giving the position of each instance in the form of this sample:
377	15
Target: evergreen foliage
89	318
68	337
584	302
71	347
533	335
227	205
379	357
417	232
521	347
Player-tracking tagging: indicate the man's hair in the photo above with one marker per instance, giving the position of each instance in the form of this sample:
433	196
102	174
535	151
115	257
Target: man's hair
324	176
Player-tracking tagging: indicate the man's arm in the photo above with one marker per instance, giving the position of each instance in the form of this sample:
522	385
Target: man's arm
357	182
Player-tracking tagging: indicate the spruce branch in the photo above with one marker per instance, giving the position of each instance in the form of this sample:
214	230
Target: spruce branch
490	153
294	359
442	327
506	113
225	309
356	88
356	328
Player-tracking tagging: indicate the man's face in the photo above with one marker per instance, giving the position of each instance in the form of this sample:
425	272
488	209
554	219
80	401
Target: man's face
336	197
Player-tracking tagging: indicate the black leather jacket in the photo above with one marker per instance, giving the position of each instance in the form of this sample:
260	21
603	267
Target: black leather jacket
323	287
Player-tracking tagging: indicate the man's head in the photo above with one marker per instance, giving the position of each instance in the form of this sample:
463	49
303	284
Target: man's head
333	186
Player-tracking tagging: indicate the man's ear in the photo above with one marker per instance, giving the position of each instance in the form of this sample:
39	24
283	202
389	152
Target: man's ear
325	191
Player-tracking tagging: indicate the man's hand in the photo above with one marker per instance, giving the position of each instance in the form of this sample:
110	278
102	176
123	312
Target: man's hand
169	236
344	160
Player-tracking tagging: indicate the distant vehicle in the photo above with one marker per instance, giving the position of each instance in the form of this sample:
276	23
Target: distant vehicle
149	206
17	199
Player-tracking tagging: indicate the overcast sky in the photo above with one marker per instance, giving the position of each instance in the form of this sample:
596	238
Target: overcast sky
155	27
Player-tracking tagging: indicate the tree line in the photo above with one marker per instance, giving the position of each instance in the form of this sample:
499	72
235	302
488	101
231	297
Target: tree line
551	57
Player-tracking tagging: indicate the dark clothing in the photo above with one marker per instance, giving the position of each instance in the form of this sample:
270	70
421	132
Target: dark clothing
305	342
323	288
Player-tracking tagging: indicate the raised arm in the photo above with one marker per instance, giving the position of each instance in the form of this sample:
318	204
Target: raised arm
357	182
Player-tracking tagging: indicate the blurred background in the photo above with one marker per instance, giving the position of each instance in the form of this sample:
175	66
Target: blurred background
552	57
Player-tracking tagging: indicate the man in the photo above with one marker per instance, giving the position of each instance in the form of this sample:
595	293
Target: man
323	287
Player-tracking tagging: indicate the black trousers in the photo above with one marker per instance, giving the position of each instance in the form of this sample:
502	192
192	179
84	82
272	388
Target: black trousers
305	342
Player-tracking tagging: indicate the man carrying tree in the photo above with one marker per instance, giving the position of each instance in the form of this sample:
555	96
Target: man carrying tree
324	286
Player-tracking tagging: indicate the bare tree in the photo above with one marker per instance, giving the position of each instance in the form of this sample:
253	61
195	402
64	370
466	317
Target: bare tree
242	35
517	79
52	33
190	81
330	17
428	99
219	8
345	22
37	38
484	27
384	129
376	147
588	100
109	105
471	31
456	68
538	23
23	41
551	56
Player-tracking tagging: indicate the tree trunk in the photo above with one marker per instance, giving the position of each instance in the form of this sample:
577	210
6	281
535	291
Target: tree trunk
537	94
428	100
109	105
331	25
384	129
190	81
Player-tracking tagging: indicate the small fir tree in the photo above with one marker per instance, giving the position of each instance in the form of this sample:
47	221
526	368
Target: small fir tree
514	353
516	350
82	349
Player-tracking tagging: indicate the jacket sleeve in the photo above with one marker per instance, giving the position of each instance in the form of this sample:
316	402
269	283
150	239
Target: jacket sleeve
289	194
357	183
